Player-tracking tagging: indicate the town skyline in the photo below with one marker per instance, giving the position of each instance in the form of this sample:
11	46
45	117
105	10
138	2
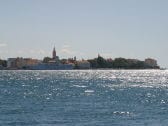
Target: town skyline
50	54
129	29
56	63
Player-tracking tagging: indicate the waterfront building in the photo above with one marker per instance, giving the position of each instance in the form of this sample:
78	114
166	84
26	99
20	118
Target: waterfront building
55	58
109	60
132	60
11	63
54	53
53	64
151	62
30	61
19	62
71	60
84	64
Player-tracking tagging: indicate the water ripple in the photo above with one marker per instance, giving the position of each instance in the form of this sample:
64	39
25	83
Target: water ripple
84	97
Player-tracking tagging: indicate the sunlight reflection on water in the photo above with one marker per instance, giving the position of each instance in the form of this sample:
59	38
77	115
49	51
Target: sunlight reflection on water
84	97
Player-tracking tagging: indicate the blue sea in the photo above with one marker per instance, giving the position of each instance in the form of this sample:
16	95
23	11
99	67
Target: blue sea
84	98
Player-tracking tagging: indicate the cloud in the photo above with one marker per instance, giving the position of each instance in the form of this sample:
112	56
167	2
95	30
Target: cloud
3	44
66	49
41	52
38	52
66	46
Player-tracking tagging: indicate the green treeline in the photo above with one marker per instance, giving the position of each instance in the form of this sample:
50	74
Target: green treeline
3	63
120	63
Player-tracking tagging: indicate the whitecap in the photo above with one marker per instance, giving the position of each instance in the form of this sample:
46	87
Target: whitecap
47	98
49	94
121	113
163	102
82	86
89	91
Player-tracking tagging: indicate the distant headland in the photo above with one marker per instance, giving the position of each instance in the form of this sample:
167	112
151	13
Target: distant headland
55	63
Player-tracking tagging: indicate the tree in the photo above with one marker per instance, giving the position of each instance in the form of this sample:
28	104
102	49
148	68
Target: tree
93	63
63	61
120	63
102	63
3	63
46	59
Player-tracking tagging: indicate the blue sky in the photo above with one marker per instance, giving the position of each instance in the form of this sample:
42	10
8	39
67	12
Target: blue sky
84	28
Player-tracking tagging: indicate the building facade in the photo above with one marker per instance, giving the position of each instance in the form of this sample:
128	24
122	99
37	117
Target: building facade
84	64
151	62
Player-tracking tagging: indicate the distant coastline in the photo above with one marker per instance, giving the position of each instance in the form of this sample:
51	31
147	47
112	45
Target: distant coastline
98	63
55	63
122	63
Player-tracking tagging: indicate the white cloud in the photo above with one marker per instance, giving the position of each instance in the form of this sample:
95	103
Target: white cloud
41	52
66	49
3	44
66	46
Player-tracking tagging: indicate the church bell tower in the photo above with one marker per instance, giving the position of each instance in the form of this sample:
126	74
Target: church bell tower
54	53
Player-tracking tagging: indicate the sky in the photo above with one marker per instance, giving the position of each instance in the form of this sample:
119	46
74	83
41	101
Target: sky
84	28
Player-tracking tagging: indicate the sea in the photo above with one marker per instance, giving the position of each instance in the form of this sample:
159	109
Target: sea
84	98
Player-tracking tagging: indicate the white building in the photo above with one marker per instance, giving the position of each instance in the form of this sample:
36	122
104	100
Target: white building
11	62
21	62
84	64
151	62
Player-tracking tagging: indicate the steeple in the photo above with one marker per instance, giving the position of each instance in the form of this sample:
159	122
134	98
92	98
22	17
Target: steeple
54	53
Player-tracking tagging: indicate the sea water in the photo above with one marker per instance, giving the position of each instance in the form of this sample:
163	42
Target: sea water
84	98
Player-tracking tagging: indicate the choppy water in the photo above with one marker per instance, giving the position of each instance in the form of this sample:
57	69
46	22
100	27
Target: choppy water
84	98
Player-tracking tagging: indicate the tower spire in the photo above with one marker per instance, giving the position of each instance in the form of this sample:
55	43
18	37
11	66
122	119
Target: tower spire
54	53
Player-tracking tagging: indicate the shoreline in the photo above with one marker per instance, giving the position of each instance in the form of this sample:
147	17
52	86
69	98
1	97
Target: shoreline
75	69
